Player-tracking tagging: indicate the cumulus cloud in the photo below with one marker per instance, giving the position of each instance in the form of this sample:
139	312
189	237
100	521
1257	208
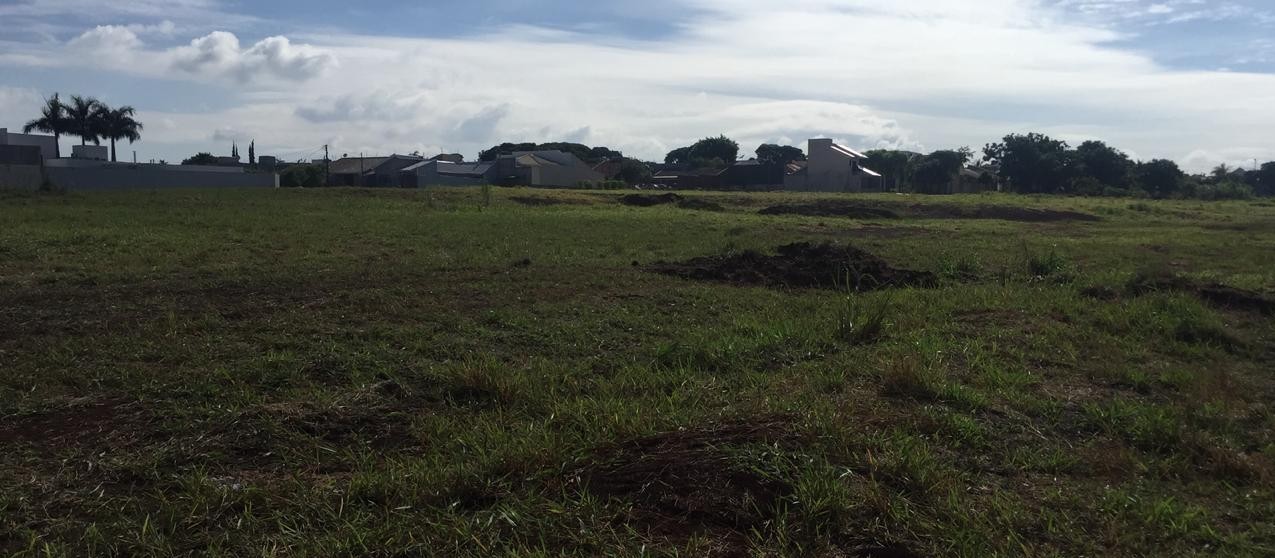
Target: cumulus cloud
926	74
106	40
219	53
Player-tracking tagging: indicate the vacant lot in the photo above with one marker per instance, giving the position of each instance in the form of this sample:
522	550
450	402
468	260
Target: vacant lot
389	373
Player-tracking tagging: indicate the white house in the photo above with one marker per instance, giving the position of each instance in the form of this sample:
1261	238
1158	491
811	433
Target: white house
831	167
47	144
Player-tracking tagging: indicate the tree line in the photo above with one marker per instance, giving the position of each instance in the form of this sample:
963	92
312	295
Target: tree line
87	118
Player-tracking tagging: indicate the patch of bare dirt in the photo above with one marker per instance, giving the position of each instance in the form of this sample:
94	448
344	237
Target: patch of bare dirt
836	208
699	205
831	209
80	422
686	482
801	265
1213	293
650	200
541	201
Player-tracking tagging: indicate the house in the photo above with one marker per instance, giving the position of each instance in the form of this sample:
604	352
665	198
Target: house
753	175
688	179
371	172
548	168
439	172
831	167
47	145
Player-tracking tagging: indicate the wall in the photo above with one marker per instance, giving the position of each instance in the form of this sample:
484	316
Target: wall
21	177
48	147
142	176
428	176
563	177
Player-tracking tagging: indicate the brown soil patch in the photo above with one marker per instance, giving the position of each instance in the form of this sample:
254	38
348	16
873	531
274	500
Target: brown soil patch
1213	293
540	201
81	422
685	482
801	265
699	205
834	208
831	209
650	200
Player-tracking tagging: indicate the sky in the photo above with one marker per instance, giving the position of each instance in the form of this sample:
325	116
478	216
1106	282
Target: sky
1188	80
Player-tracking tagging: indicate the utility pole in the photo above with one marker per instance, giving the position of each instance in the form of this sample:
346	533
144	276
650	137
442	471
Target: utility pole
134	156
361	169
327	167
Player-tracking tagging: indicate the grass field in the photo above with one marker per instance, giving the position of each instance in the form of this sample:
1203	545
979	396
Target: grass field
395	373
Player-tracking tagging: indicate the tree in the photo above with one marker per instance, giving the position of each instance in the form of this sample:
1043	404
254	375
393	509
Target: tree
252	152
1033	163
680	156
936	171
894	165
118	124
633	172
1266	180
83	115
1161	177
52	120
202	158
1108	165
771	154
720	147
301	176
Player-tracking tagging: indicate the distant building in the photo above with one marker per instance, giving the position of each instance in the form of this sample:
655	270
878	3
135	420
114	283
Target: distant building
437	172
90	152
48	145
831	167
549	168
370	172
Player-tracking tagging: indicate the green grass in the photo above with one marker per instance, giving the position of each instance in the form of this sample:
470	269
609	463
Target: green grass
391	373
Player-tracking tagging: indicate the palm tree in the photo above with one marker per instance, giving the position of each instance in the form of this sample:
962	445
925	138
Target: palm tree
52	120
118	124
83	116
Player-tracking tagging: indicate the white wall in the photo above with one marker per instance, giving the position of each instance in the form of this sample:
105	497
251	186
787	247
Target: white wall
121	176
48	147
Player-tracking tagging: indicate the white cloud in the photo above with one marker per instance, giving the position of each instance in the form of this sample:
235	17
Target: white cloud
18	105
924	74
220	54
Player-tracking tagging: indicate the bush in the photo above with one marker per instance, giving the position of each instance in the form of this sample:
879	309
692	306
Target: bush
301	176
1229	190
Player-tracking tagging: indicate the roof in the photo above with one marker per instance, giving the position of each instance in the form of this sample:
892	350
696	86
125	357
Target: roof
463	169
847	151
354	165
548	157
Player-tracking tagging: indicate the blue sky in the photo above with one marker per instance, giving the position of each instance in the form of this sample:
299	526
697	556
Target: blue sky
1190	80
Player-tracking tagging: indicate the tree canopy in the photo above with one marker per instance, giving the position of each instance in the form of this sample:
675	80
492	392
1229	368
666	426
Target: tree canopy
772	154
591	155
1032	163
708	153
201	159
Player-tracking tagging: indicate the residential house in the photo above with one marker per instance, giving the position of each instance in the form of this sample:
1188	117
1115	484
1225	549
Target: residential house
831	167
370	172
438	172
548	168
47	145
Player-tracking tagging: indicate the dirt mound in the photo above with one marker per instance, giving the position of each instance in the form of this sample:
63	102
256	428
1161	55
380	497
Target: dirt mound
831	209
650	200
539	201
699	205
835	208
1007	213
800	265
684	482
1213	293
